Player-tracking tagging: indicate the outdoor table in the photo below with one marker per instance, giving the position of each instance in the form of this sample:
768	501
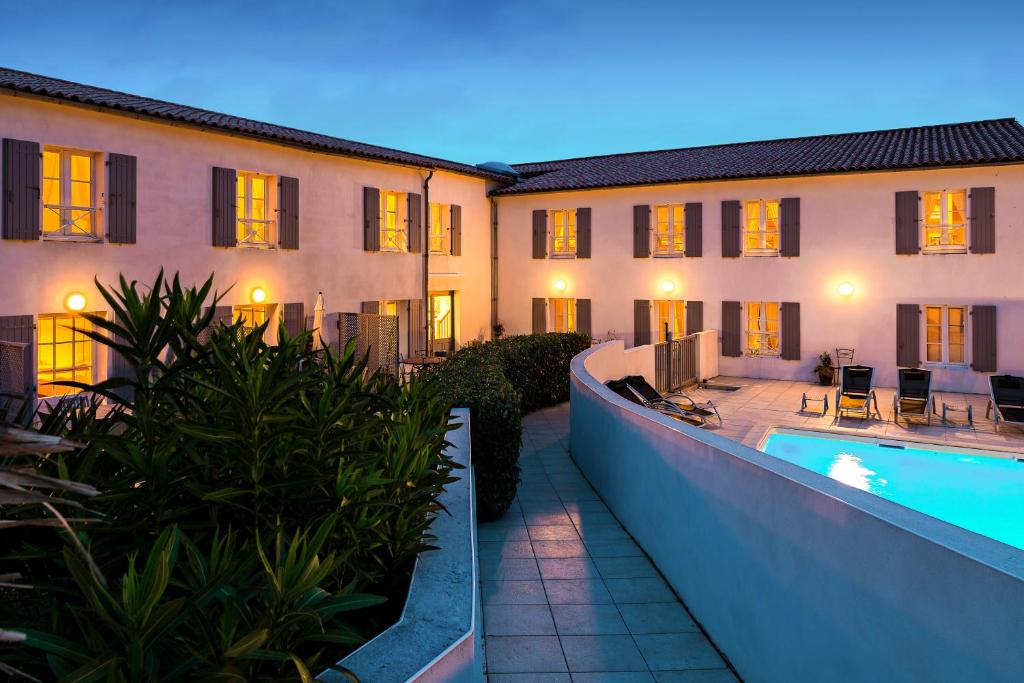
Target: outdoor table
420	362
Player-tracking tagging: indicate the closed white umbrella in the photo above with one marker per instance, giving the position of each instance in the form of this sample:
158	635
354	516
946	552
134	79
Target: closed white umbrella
318	321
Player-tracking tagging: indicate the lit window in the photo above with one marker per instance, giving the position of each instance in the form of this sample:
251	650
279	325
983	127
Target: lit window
563	315
389	308
441	310
668	230
761	226
65	353
440	224
762	328
563	232
69	207
945	224
393	236
252	316
945	330
671	317
254	211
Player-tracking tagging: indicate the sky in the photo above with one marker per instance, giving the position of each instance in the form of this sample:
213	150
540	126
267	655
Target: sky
518	81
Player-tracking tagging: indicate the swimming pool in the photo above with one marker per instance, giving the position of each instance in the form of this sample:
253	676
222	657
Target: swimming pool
968	488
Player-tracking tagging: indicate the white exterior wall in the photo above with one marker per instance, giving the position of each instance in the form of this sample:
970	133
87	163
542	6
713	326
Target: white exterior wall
847	235
174	214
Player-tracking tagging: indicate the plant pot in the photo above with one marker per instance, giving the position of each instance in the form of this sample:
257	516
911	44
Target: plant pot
825	376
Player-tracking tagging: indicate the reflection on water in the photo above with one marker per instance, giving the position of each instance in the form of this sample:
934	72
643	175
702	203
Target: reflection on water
850	470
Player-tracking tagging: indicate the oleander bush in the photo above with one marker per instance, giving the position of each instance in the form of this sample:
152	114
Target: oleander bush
501	381
259	510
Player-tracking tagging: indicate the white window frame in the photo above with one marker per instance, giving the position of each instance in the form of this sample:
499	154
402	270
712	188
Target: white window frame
675	236
51	319
243	213
440	229
944	336
571	240
65	208
944	246
762	232
570	314
394	239
762	332
676	318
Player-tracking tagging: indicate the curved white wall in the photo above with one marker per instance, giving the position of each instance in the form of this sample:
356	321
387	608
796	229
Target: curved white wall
795	576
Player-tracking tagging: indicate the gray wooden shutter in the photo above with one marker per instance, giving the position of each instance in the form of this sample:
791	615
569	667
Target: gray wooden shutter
369	307
694	317
983	351
225	315
294	318
21	190
540	316
225	211
641	322
119	366
583	233
641	231
983	220
583	324
21	328
907	233
456	227
789	228
288	212
693	229
731	229
417	328
121	196
371	219
908	335
414	219
540	233
732	314
790	331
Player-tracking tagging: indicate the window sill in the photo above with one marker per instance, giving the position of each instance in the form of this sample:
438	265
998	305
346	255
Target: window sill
943	250
765	356
947	366
393	251
91	239
563	256
255	245
669	254
766	252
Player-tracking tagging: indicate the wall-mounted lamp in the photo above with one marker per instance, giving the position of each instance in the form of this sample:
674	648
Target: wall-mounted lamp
74	302
560	285
845	288
667	286
258	295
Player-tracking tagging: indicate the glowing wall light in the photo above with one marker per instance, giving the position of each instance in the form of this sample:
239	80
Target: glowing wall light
667	286
845	288
258	295
560	285
74	302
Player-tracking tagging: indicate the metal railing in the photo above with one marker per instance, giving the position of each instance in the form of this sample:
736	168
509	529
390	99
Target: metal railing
17	386
675	363
375	335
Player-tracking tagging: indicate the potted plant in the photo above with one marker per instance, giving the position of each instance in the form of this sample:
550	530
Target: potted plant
825	370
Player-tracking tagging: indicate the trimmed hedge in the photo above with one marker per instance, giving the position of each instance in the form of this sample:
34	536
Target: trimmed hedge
500	381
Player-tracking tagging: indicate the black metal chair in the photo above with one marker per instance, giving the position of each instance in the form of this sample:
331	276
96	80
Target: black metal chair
1006	400
856	392
913	397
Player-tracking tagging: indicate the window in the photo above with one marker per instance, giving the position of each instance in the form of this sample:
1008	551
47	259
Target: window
389	308
563	315
252	315
668	230
671	316
65	353
393	236
945	225
945	331
762	328
254	223
440	224
563	232
69	194
761	226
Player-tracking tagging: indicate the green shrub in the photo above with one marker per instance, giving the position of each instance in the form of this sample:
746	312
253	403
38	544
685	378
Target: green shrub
500	381
252	496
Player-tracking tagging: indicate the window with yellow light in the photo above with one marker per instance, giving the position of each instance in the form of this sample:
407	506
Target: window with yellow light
563	232
669	230
63	353
671	315
945	221
762	328
255	226
68	194
761	226
440	225
393	234
563	315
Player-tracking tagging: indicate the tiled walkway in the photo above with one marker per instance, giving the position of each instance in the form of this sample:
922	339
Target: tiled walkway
568	595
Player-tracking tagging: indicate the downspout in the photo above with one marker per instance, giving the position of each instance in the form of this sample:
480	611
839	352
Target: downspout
494	266
426	265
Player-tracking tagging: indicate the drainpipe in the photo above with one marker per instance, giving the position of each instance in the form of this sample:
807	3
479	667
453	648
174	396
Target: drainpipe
426	264
494	265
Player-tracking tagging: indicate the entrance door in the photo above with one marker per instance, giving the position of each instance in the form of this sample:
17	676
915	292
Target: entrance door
442	315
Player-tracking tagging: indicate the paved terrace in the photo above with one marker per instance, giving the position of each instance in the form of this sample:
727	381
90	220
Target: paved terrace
568	595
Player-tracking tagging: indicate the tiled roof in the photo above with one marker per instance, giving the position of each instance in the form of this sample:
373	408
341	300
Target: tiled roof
958	144
68	91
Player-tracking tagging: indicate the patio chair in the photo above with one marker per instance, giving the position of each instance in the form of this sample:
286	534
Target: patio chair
641	394
856	393
1006	400
679	398
844	357
913	397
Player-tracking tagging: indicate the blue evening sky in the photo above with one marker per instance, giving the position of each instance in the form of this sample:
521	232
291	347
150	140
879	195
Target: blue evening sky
522	81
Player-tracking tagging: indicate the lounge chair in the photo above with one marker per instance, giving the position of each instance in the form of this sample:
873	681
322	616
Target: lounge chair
913	397
855	393
1007	399
683	400
637	390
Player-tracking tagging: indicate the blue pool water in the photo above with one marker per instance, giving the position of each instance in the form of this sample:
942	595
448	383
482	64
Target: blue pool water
981	493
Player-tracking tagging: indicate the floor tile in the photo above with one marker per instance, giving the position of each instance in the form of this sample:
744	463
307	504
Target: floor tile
509	568
664	617
513	593
554	533
505	549
529	678
602	653
518	620
640	590
625	567
492	532
588	620
577	592
677	651
559	549
568	568
614	677
696	676
524	654
613	549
